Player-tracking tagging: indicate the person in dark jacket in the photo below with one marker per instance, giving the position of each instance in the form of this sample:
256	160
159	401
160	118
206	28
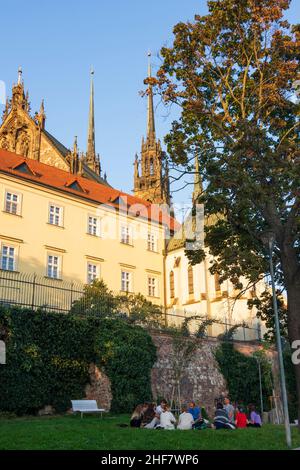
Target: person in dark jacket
221	419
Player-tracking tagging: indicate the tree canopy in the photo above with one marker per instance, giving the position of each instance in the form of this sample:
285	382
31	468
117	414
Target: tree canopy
234	73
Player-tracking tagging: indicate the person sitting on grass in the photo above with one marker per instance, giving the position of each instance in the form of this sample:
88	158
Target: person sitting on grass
195	411
241	420
161	407
167	419
255	419
186	420
136	417
148	415
221	420
229	408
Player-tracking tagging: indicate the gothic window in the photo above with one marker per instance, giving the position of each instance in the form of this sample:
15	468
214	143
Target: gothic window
217	283
172	285
191	280
151	167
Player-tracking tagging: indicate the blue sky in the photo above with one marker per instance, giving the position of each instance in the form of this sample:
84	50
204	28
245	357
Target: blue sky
56	43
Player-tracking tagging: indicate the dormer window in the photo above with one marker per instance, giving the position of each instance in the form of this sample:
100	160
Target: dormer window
76	186
24	168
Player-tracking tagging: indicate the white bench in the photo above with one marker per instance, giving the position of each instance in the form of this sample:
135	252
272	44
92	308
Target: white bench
86	406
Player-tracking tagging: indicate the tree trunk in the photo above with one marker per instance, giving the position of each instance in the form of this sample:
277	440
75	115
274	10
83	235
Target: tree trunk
293	294
291	272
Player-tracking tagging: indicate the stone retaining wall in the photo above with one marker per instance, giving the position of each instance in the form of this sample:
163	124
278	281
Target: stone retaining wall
201	380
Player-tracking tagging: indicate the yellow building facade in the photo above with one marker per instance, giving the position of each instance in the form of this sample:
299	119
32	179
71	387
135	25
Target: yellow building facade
62	221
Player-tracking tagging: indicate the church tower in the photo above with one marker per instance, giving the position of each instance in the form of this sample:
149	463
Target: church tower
151	176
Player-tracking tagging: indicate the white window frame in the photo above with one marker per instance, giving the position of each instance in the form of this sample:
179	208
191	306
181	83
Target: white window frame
126	277
60	214
95	272
126	238
17	203
15	256
152	242
152	286
58	266
94	226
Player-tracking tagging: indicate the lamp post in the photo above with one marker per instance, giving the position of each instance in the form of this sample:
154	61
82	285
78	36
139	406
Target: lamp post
268	238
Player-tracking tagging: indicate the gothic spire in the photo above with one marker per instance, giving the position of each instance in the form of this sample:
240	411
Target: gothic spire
74	158
91	150
150	114
20	71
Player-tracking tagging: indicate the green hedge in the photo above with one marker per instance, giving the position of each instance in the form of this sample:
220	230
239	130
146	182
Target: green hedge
48	358
126	354
242	377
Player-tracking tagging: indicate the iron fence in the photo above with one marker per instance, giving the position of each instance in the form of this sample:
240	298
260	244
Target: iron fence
33	291
37	292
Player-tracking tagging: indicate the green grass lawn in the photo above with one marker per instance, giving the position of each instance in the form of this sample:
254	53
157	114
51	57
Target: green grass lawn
94	433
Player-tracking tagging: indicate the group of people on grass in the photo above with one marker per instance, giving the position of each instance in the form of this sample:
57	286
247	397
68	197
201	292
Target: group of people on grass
151	416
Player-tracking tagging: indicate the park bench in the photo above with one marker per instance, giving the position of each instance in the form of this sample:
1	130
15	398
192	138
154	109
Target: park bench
86	406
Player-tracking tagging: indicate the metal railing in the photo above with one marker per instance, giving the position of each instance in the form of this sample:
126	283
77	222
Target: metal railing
33	291
37	292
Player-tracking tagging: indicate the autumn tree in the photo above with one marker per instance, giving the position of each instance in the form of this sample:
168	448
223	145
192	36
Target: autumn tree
233	73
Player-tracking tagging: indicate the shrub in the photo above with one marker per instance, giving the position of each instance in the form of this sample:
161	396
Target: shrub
49	354
126	354
241	374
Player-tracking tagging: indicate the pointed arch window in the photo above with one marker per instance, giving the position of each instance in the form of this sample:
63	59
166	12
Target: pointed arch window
217	285
172	285
191	280
151	167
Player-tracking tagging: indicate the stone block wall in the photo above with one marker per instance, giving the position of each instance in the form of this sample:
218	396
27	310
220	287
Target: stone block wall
201	381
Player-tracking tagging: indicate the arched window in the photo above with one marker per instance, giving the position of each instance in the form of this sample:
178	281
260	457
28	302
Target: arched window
191	280
151	167
172	285
217	283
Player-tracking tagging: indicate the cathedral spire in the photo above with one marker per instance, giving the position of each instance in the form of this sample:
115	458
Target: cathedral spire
91	150
150	114
20	72
92	159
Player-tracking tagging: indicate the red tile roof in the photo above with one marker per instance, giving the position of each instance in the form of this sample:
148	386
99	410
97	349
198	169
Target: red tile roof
61	180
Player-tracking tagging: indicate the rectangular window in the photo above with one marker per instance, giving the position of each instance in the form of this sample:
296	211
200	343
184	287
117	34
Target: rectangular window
55	215
152	287
93	272
152	242
126	281
53	266
126	236
94	226
12	203
8	258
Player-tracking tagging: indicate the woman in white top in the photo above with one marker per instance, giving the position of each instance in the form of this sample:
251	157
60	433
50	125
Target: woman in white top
167	419
186	420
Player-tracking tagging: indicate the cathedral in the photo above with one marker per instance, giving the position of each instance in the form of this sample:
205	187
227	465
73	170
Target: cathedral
82	228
